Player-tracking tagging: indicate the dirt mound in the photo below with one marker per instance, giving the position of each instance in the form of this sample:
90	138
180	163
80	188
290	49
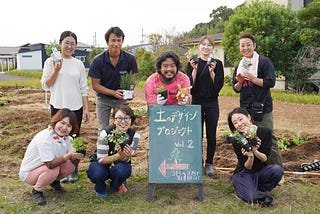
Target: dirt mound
24	112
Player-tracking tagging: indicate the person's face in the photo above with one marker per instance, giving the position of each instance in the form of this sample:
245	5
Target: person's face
114	44
246	47
68	45
122	121
241	121
205	47
168	69
63	127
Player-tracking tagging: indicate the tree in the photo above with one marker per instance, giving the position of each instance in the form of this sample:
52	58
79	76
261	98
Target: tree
146	61
218	17
308	57
94	52
51	45
273	26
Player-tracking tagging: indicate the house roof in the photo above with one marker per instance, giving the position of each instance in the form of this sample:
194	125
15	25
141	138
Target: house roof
216	38
8	50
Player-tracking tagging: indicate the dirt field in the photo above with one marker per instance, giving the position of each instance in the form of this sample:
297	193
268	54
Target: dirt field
25	113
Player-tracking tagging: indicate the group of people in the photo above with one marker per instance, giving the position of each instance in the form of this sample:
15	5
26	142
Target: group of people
51	158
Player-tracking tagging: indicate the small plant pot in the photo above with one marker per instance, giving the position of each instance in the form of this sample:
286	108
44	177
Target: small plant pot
164	94
128	94
84	152
254	141
230	139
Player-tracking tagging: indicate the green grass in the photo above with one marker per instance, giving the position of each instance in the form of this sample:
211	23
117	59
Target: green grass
278	95
218	197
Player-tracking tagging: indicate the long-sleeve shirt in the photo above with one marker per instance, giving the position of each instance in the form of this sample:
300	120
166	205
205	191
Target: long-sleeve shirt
70	85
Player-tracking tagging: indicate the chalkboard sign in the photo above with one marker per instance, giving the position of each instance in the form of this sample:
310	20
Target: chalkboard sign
175	144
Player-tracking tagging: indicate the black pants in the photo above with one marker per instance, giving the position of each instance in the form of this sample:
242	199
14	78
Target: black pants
210	116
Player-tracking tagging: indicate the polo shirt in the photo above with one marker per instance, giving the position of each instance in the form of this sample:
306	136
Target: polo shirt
102	68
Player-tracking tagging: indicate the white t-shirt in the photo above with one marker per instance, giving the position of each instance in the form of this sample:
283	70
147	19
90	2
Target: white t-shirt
70	85
44	147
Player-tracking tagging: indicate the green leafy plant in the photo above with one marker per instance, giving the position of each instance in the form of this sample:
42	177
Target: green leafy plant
79	145
161	89
127	82
118	137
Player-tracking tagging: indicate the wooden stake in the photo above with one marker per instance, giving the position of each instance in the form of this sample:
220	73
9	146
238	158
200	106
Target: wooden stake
285	172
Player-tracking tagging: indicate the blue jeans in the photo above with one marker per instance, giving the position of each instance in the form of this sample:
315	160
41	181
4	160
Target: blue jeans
99	173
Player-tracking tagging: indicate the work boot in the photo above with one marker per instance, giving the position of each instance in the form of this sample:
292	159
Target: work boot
57	187
209	170
38	197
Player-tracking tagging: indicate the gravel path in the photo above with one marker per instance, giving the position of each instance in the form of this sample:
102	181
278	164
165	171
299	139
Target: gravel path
4	77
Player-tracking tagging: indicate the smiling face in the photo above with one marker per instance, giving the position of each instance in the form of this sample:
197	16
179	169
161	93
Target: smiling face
68	46
122	120
63	127
114	44
168	70
247	47
241	121
206	48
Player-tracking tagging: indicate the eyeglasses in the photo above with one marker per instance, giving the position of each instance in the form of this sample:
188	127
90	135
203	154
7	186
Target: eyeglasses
120	119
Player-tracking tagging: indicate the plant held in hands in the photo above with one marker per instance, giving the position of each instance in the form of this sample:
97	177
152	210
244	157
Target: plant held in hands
182	92
248	138
79	145
162	90
118	137
127	83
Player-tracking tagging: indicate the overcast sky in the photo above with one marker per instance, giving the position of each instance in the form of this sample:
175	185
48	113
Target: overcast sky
35	21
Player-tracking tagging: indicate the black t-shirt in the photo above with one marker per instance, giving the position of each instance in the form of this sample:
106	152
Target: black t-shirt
265	135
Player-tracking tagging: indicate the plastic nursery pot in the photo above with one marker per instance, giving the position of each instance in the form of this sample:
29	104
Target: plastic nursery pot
84	152
230	139
128	94
164	94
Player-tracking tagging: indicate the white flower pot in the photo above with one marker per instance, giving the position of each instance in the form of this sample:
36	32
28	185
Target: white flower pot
128	94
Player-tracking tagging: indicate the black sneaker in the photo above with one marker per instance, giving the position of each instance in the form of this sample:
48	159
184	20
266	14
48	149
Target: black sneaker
57	186
38	197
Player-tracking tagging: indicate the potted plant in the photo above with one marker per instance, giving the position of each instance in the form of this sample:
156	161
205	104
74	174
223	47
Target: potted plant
248	138
118	137
182	92
127	85
229	136
162	90
79	145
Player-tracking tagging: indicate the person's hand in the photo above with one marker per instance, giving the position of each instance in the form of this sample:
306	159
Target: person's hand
257	145
246	153
161	100
57	65
86	115
125	153
118	94
248	76
184	101
193	64
76	156
240	78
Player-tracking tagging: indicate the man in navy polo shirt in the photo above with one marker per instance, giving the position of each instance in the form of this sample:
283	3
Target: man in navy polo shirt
105	72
